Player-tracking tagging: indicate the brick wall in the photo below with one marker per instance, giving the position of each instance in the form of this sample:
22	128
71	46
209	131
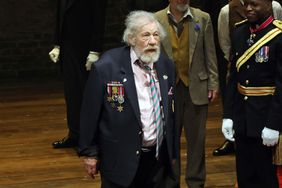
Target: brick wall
26	37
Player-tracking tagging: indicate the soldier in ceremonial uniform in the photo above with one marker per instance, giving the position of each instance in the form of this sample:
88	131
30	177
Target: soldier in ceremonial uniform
230	14
253	103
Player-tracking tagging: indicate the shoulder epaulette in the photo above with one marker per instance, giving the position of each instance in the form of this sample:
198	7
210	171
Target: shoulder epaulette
278	24
240	23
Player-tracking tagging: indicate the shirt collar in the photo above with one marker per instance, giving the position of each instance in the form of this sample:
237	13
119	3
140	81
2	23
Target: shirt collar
134	58
186	14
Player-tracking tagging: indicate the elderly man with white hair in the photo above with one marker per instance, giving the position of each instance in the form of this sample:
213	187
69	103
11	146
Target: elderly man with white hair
127	120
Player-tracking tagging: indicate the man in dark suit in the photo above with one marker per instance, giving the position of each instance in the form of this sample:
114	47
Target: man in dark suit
78	42
127	129
253	103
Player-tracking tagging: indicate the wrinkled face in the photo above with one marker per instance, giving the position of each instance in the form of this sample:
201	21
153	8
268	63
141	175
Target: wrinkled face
179	5
146	43
256	10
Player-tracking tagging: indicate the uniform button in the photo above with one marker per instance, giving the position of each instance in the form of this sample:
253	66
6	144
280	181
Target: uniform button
247	81
140	132
246	98
236	53
248	66
137	152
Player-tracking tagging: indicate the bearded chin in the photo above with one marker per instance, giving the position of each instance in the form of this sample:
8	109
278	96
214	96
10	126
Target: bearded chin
150	58
182	8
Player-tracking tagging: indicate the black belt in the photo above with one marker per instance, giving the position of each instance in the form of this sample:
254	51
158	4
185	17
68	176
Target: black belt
148	148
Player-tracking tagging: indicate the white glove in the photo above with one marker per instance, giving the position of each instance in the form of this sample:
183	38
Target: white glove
227	129
91	58
269	137
54	54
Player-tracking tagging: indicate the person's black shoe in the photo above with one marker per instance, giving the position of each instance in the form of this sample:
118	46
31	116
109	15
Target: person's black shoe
226	148
65	143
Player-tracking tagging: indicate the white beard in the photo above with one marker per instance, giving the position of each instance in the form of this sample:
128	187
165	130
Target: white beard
149	58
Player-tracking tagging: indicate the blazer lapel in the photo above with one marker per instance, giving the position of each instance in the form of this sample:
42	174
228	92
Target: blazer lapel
166	43
127	78
193	36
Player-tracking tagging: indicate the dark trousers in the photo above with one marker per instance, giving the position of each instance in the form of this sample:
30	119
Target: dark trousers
254	164
75	77
193	118
151	173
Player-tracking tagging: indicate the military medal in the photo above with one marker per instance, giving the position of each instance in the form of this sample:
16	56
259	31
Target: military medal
120	100
262	55
109	99
115	92
120	108
251	41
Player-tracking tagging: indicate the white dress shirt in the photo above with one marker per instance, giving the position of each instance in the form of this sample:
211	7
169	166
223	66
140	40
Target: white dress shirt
142	82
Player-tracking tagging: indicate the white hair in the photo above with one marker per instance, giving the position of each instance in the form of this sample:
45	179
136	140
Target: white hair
137	19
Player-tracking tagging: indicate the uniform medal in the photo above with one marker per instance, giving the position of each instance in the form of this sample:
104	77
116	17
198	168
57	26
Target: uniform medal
251	41
262	55
115	92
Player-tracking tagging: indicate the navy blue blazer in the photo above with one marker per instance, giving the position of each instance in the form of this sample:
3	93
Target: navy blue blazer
116	136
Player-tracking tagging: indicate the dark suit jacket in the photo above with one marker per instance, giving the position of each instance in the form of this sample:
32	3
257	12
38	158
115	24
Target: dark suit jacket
80	23
115	137
250	115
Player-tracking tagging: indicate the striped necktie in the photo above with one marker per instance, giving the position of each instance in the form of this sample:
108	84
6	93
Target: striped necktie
157	110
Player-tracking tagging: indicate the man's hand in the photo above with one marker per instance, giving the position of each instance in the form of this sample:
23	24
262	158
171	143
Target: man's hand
91	166
269	137
54	54
227	129
212	95
91	58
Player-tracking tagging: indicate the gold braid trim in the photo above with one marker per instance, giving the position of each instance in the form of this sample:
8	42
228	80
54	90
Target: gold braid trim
248	53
